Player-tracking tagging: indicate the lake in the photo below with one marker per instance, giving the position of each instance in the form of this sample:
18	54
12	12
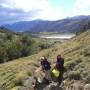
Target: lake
54	36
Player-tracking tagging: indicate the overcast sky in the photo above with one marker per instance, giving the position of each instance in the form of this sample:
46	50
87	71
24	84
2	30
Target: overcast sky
25	10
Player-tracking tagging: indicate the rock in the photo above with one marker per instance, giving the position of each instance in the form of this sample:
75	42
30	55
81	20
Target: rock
75	86
87	87
29	83
53	86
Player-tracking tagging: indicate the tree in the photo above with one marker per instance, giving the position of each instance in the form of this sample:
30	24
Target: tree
3	54
14	49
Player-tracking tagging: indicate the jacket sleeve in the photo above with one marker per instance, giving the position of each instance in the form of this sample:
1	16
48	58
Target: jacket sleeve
62	63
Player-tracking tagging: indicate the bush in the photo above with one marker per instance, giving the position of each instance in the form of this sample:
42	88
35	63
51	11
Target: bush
44	46
87	52
20	77
17	88
68	59
87	79
74	75
13	50
13	47
3	54
70	65
29	73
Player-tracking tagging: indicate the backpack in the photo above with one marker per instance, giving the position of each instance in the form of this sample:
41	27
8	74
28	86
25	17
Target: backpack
55	72
45	65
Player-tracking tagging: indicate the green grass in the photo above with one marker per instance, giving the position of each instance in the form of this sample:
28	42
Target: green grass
77	61
11	71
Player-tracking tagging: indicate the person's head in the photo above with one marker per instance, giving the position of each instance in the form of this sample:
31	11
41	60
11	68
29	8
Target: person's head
42	58
58	56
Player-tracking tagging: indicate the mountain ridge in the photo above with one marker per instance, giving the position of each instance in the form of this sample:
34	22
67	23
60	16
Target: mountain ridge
71	25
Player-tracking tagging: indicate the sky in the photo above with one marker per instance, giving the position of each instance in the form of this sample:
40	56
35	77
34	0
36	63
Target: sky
26	10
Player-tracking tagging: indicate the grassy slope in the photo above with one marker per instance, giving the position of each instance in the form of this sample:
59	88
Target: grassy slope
76	53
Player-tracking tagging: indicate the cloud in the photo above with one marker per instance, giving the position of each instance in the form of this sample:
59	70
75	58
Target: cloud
18	10
82	4
81	7
50	14
23	10
9	15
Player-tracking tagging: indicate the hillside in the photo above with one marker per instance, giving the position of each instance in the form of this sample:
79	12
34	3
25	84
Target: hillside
16	45
77	62
68	25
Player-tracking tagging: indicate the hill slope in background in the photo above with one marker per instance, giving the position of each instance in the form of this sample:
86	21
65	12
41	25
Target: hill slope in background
77	62
15	45
68	25
5	30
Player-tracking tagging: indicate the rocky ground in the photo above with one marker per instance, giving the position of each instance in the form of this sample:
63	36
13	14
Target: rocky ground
31	82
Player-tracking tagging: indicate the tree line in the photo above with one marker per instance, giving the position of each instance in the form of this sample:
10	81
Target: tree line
13	46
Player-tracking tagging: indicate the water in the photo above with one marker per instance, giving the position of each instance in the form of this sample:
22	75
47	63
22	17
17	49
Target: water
57	36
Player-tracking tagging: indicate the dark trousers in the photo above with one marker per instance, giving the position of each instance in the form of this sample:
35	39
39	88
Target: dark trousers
60	78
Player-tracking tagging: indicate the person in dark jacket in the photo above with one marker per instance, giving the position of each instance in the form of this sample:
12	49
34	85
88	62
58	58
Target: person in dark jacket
60	67
45	64
60	63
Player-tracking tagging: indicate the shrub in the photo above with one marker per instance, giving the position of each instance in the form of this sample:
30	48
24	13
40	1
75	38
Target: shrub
87	52
16	88
29	73
87	79
74	75
20	77
68	59
70	65
16	46
44	46
86	76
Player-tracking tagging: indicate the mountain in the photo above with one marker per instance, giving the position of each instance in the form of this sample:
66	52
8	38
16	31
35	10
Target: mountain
76	53
68	25
21	26
5	30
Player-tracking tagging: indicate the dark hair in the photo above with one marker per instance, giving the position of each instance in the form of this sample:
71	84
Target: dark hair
59	55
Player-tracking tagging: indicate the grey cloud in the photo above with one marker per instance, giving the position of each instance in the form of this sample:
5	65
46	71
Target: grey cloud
9	15
2	1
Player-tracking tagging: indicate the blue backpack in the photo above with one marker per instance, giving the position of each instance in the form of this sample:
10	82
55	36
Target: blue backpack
45	65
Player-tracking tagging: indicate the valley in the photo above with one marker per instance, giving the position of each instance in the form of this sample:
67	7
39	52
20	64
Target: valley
75	51
44	44
20	53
